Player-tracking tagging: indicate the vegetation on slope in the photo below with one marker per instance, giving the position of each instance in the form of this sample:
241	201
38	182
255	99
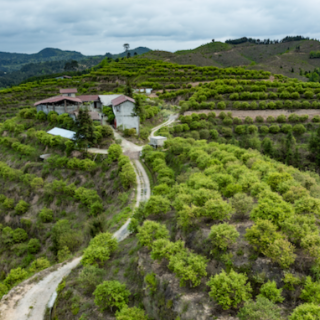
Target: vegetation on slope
229	226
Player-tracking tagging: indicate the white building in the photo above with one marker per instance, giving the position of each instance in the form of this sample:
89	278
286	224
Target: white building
123	109
157	141
68	102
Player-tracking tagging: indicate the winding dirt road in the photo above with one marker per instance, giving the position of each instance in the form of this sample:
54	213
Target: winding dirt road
30	298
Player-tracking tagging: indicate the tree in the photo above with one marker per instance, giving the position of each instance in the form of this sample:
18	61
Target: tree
262	234
229	290
242	204
314	147
269	290
151	231
311	291
111	294
261	309
90	277
133	313
223	235
128	55
188	266
307	311
163	248
289	146
85	134
218	209
21	207
157	205
128	89
126	46
34	245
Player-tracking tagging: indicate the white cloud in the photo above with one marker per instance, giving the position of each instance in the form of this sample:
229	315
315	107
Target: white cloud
100	26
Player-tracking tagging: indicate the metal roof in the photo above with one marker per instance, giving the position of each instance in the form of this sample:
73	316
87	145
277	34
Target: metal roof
121	99
106	99
88	98
57	99
73	90
62	132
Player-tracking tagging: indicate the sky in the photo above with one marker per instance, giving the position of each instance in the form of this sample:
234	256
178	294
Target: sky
99	26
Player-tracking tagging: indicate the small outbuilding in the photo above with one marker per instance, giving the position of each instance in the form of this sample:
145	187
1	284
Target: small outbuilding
157	141
68	134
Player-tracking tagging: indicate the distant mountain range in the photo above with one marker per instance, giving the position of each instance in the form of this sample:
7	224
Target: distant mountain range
17	67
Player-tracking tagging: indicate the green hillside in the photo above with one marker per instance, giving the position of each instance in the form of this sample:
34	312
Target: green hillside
231	229
282	58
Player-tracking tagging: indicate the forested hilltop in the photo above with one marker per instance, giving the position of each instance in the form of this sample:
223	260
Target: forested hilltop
16	67
231	230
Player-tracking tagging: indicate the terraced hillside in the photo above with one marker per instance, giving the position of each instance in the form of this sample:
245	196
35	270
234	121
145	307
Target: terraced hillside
283	58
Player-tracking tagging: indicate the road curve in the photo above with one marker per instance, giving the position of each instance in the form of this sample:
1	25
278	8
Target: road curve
29	299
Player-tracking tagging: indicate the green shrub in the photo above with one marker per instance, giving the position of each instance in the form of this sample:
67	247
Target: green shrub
8	203
229	290
39	264
259	119
242	129
34	245
151	231
303	118
19	235
242	204
227	121
311	291
15	276
270	119
264	129
218	209
111	294
316	119
261	309
299	129
21	207
248	120
214	134
114	152
286	128
133	313
307	311
46	215
221	105
252	129
188	267
3	290
227	132
157	205
293	118
89	278
269	290
223	235
282	118
237	121
274	129
163	248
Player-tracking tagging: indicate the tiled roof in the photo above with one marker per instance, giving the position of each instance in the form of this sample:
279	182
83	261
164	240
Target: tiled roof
121	99
57	99
73	90
88	98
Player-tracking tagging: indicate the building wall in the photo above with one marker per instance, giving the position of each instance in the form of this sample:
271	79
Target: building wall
124	118
60	109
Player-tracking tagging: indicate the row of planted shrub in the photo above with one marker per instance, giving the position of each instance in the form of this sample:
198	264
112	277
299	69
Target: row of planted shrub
16	145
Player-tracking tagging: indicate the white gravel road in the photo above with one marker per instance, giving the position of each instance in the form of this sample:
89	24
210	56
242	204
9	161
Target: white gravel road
29	299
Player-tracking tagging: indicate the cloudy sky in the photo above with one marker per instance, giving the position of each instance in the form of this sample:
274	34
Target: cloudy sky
100	26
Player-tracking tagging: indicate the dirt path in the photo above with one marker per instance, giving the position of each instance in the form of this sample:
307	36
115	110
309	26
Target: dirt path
28	300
